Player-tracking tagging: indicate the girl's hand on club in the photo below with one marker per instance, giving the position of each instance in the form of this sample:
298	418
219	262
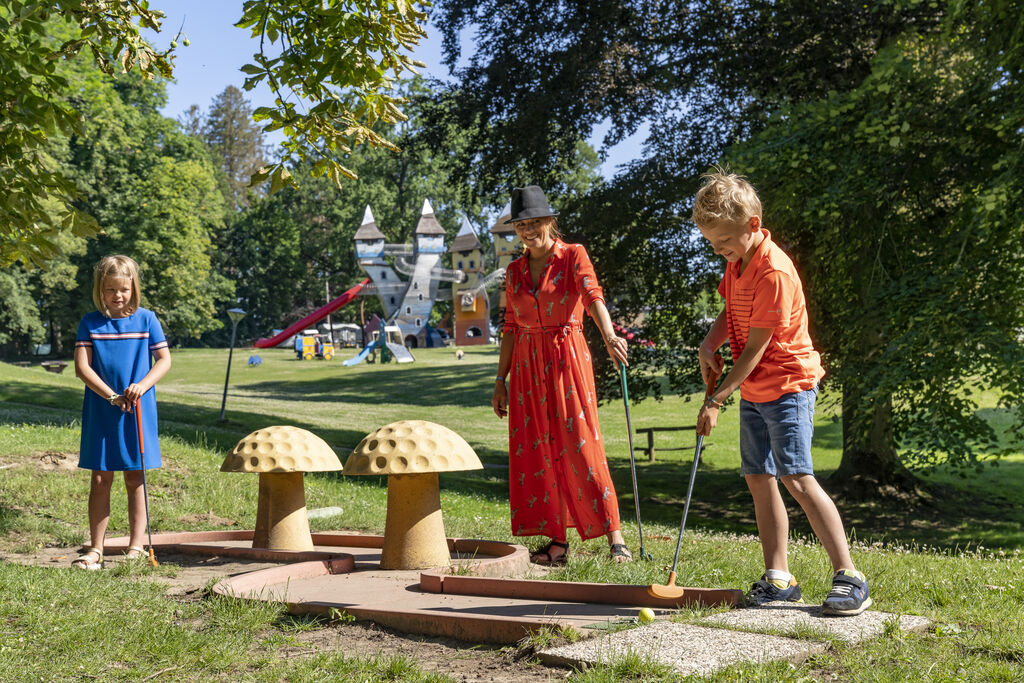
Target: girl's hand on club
707	419
618	348
133	393
499	399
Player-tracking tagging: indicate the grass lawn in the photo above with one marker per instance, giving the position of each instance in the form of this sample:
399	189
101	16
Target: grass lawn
956	560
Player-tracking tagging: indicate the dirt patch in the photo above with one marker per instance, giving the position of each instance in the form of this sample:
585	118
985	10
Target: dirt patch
436	655
55	460
187	578
207	518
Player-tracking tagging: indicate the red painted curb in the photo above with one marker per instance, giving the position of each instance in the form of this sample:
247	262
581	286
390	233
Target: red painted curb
574	591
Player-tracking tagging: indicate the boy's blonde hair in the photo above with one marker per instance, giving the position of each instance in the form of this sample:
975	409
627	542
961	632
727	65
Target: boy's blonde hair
121	268
725	197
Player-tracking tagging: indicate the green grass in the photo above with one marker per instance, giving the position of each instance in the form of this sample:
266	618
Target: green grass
957	561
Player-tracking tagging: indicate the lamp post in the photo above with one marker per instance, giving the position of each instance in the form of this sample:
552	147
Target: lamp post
235	314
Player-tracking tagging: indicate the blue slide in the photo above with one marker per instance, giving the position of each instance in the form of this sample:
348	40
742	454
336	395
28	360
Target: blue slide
367	350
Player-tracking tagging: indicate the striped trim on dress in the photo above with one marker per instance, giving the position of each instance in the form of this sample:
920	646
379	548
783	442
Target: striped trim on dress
118	335
158	345
82	344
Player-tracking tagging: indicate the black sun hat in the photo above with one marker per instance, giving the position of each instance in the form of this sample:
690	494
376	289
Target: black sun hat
529	202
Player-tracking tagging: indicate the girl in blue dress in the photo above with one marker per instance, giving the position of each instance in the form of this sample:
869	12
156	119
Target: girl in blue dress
120	354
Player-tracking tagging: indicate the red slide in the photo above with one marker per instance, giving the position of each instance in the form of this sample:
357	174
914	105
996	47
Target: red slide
312	317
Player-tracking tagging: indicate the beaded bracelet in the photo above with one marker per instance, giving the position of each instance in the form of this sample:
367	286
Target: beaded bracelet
711	399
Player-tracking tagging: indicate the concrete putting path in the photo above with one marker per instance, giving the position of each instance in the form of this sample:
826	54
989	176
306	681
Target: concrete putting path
721	640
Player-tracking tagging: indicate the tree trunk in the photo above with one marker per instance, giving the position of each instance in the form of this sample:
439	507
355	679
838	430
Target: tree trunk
869	461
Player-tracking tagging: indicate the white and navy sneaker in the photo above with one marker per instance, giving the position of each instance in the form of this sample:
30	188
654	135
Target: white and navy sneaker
849	595
770	590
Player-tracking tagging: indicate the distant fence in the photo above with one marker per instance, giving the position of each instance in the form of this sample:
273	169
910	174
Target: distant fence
650	449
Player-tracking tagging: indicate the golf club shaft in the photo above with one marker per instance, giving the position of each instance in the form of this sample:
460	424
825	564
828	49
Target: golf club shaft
632	462
708	390
142	457
689	493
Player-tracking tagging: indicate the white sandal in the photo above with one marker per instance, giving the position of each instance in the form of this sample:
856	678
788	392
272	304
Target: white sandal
134	552
83	561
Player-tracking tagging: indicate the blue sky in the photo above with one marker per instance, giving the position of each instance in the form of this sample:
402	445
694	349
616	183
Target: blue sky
217	50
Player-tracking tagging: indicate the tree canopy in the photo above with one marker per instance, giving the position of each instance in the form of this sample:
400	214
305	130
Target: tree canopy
334	65
884	139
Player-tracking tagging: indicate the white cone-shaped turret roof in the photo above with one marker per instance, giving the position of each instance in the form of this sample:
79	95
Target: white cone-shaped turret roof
500	225
466	239
428	224
368	230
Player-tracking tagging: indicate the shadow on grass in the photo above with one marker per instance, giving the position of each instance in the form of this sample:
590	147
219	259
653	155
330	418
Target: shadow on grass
422	386
976	511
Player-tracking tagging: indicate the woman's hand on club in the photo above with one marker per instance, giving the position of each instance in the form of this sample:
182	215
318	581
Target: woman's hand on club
618	348
499	399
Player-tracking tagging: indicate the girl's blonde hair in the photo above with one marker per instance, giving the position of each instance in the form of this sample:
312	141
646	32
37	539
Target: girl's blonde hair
120	268
725	196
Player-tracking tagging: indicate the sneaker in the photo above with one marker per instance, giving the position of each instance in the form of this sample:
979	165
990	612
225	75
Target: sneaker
766	590
849	595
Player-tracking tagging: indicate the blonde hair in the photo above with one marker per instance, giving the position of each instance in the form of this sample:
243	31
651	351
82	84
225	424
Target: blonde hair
120	268
725	196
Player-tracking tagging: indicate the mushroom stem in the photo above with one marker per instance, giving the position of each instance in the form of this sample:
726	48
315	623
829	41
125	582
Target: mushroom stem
414	532
281	522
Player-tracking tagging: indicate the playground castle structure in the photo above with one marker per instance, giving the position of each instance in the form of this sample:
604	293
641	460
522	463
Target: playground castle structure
406	303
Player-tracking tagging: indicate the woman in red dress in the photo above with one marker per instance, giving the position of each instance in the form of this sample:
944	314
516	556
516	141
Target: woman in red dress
558	474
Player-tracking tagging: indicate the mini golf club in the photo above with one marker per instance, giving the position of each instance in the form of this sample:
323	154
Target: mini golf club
145	489
671	590
644	555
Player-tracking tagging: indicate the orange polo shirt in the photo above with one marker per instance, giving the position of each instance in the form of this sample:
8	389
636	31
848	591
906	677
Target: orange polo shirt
769	294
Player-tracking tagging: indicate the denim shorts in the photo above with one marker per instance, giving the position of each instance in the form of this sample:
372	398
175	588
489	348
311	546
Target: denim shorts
775	436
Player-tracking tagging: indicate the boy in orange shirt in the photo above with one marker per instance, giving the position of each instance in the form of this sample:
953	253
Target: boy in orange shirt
777	372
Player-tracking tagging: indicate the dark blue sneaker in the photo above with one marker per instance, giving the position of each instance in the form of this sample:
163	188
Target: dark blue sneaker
770	591
849	595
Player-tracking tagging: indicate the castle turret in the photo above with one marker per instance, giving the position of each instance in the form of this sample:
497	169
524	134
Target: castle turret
414	310
429	235
469	299
507	244
369	238
370	253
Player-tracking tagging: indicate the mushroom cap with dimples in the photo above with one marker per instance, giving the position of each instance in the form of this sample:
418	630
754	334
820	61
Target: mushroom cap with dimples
411	447
281	449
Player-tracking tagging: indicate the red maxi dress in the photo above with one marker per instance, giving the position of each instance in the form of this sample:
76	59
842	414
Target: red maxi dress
558	474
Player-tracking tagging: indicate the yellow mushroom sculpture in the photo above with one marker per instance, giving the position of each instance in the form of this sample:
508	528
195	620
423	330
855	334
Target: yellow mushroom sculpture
280	455
412	453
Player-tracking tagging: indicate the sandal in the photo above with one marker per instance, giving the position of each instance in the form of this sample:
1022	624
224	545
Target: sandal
134	552
83	561
620	553
549	560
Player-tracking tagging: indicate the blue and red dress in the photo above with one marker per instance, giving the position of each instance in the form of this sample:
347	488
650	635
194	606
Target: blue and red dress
122	354
558	474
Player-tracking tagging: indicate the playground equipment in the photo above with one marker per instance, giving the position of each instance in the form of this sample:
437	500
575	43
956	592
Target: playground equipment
407	303
470	303
312	318
311	345
390	347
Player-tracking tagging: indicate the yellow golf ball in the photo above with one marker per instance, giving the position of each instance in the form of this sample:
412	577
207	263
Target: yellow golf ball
646	615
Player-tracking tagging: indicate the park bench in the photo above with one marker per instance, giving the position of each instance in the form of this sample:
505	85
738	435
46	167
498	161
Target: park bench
54	365
649	450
